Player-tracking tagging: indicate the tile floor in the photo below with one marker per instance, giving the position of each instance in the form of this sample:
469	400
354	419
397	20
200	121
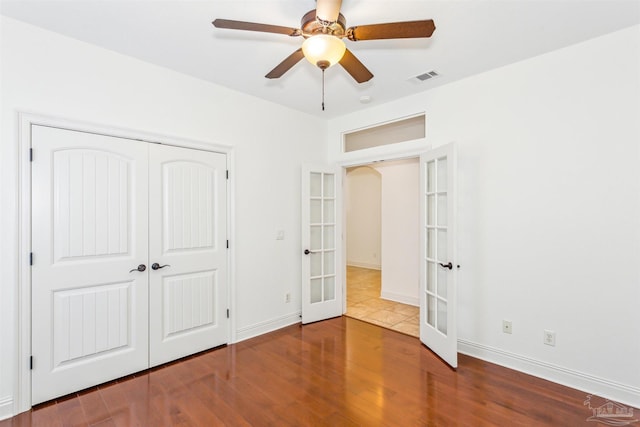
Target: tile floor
364	303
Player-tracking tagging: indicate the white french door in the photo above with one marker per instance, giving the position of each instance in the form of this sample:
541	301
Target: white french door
89	228
438	287
321	287
187	252
129	257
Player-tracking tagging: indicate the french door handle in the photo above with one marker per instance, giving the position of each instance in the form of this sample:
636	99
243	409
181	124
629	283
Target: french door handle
449	265
140	268
307	252
156	266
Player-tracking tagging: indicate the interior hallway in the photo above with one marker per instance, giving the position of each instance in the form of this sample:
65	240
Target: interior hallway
364	303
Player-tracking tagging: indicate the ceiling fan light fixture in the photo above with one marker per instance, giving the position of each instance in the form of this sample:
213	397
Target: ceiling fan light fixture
321	49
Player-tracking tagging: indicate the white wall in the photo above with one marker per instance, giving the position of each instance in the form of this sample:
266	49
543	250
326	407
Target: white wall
400	230
363	205
548	209
46	73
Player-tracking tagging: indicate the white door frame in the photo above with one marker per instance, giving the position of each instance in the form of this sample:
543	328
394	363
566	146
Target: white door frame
366	159
22	315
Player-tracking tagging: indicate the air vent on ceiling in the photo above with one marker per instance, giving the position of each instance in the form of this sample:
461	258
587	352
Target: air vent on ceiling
426	76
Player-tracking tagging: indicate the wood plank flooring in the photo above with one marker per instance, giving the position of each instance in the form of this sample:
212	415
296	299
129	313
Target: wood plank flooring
338	372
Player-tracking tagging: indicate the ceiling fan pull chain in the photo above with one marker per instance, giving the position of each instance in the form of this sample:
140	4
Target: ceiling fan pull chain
323	89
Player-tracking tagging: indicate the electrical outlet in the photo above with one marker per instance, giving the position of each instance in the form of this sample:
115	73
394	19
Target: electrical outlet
287	297
549	338
507	327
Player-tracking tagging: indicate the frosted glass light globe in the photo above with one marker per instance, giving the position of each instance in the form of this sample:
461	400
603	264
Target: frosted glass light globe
323	47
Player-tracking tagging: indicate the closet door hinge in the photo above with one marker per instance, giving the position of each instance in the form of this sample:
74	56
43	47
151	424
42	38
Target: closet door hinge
227	244
31	154
227	173
227	313
31	362
30	258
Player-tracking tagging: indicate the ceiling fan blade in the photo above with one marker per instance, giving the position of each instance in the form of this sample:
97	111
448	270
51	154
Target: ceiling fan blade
358	71
285	65
392	30
252	26
328	10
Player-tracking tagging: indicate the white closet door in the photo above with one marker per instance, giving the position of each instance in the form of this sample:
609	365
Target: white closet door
89	226
187	252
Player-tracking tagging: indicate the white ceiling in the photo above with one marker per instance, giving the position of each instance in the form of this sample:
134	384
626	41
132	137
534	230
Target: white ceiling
470	37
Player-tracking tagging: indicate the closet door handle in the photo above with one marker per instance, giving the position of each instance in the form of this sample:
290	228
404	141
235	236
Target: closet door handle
156	266
140	268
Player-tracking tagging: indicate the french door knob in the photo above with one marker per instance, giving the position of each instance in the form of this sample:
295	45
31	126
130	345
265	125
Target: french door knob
156	266
140	268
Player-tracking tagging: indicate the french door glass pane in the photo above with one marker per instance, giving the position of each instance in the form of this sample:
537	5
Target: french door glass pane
316	290
329	237
431	276
329	211
442	174
316	185
431	176
431	243
442	209
329	288
431	210
329	263
442	316
431	310
315	237
442	246
316	264
329	186
315	215
442	281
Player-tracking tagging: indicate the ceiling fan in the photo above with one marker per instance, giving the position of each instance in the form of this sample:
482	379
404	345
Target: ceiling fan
323	30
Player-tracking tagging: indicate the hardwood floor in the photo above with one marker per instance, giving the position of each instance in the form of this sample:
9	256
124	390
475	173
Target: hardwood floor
336	372
364	303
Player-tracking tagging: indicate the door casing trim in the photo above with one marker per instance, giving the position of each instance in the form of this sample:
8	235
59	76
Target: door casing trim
22	290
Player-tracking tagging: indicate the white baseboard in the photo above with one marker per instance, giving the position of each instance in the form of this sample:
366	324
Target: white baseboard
625	394
267	326
364	265
6	408
404	299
